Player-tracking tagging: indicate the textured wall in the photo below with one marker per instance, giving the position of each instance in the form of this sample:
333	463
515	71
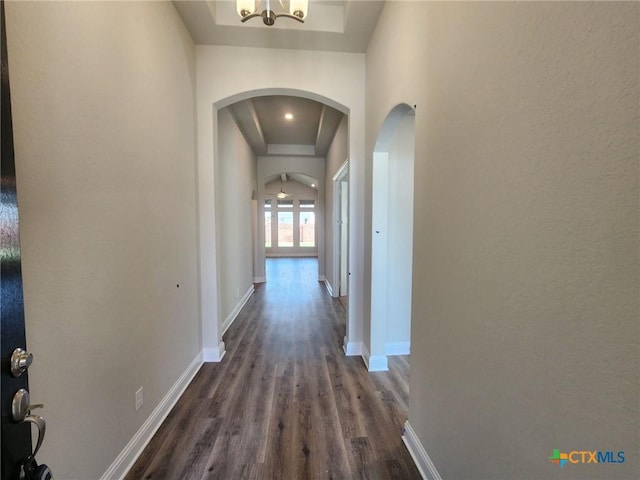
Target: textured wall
103	103
525	305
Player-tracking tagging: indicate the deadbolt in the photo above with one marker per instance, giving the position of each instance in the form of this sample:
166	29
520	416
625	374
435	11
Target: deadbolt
20	361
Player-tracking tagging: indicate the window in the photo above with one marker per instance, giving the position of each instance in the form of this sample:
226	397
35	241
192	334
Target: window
285	229
307	223
289	224
267	223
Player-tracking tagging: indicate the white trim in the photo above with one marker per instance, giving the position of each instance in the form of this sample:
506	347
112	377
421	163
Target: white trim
328	286
125	460
291	254
236	310
377	363
342	169
214	354
352	349
424	464
339	176
374	363
322	278
397	348
259	279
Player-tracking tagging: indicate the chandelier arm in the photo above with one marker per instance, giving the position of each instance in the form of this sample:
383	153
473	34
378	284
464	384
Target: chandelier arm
251	15
288	15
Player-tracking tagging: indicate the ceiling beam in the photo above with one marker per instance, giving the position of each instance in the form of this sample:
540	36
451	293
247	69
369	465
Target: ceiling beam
327	127
246	117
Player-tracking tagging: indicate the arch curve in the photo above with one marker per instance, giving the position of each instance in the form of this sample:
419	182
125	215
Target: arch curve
291	92
390	125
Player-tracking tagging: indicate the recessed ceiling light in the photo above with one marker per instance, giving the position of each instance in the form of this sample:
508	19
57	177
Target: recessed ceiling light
313	185
288	116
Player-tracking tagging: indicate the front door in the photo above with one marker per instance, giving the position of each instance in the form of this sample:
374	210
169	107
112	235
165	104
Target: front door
16	436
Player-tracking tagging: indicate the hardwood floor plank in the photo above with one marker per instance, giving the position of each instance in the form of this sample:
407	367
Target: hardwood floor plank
285	403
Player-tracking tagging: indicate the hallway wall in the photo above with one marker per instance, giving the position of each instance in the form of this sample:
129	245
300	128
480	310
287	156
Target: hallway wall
236	184
336	155
525	303
103	104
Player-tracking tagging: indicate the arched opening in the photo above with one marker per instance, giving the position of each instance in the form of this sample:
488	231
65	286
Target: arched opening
301	215
392	238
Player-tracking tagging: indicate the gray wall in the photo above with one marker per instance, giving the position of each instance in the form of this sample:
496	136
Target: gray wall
235	185
336	156
525	305
103	103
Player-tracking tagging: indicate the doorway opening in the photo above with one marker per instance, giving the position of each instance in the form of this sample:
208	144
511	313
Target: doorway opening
341	235
392	238
291	214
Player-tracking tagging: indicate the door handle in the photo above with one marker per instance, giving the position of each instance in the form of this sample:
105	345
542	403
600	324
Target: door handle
20	407
39	422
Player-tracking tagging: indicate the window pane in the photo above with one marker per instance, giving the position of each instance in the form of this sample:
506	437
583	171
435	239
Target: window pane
267	204
307	229
267	229
285	229
285	203
307	203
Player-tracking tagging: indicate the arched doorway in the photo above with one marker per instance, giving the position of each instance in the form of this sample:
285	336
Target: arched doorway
210	251
392	238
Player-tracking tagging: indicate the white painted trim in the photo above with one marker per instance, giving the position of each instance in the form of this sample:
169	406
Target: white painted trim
377	363
236	310
259	279
397	348
352	349
342	169
322	278
339	176
214	354
125	460
328	286
424	464
374	363
292	255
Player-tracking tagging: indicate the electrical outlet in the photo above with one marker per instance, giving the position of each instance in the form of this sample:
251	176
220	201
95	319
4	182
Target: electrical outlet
139	398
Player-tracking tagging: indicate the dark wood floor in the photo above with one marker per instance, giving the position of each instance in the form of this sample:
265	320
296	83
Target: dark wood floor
285	402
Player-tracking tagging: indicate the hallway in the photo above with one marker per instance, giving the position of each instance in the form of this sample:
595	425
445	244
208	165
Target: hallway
285	402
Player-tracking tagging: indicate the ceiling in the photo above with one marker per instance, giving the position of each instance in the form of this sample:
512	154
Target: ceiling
263	124
340	26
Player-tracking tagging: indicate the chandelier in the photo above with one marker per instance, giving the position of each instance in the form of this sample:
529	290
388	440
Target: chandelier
249	9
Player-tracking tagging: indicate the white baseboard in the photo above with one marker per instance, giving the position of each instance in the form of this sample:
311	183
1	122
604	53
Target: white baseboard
377	363
352	349
236	310
125	460
374	363
213	354
328	287
397	348
259	279
292	255
424	464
